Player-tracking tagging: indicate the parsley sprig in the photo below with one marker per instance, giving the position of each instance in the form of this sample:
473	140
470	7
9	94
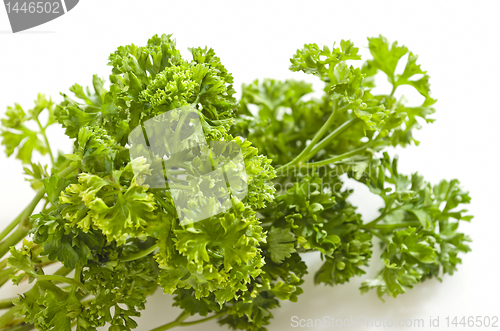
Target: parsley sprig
116	241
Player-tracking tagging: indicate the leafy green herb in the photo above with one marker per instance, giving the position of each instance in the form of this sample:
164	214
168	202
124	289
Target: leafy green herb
120	239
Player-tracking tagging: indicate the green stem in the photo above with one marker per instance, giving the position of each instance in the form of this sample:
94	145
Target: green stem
179	187
165	205
314	141
23	219
66	171
13	239
37	249
173	324
391	226
47	145
394	87
334	134
29	210
5	275
338	157
63	279
140	254
292	137
21	327
180	321
86	302
62	271
78	271
8	316
384	213
7	303
11	226
387	208
378	235
202	319
179	126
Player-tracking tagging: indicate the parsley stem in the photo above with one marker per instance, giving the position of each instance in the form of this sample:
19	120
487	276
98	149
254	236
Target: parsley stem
5	275
13	239
31	207
203	319
378	235
170	209
141	254
384	213
391	226
334	134
23	219
47	145
21	327
63	279
78	271
7	303
10	227
338	157
314	140
177	322
62	271
8	316
180	321
394	87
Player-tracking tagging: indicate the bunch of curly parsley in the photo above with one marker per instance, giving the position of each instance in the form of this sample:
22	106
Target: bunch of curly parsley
120	240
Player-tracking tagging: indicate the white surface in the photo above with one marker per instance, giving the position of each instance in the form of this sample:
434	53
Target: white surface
457	43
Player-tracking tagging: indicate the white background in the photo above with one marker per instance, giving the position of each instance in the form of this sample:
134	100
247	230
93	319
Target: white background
457	43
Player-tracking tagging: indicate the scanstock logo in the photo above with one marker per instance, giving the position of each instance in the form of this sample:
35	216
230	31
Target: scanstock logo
25	15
